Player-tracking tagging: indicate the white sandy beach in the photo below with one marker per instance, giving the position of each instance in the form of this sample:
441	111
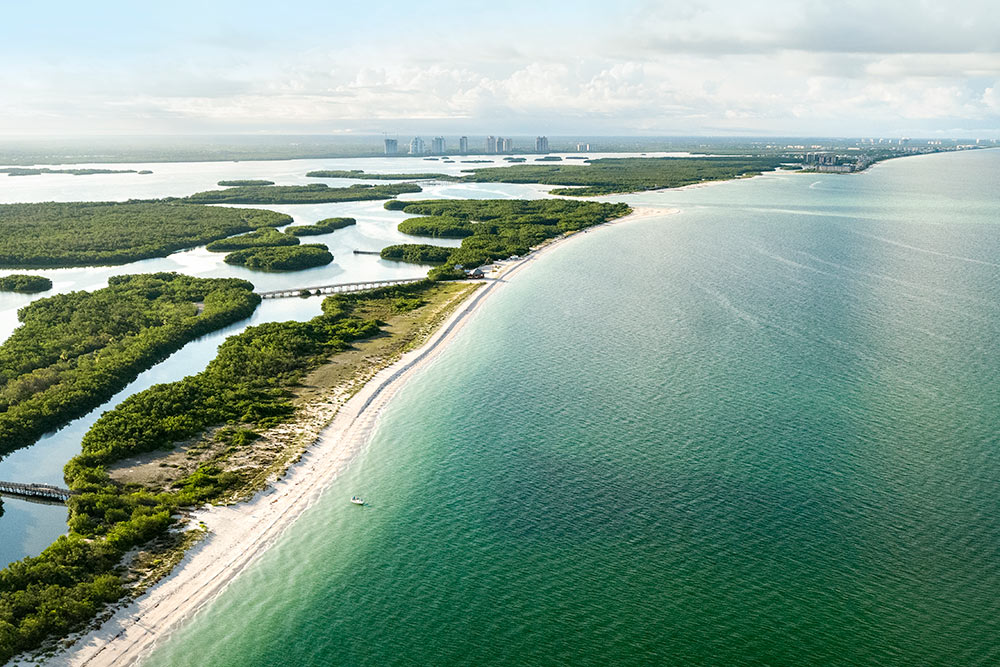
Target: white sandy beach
239	533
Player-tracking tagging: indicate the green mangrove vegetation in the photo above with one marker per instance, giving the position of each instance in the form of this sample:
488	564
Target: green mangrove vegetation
360	174
24	283
246	387
72	352
261	238
493	229
281	258
57	234
244	182
613	175
439	226
324	226
316	193
32	171
599	177
416	253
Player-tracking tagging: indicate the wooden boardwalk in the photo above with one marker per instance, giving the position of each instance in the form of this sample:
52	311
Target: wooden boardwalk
335	289
45	491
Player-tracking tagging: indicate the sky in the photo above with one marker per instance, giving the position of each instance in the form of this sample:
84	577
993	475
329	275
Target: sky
742	67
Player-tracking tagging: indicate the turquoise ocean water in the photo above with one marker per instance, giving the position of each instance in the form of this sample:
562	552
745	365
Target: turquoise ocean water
762	431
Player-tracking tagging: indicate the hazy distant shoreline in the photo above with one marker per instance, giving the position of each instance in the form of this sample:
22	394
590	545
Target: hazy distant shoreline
42	152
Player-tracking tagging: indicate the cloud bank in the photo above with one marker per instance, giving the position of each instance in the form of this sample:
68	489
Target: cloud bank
802	67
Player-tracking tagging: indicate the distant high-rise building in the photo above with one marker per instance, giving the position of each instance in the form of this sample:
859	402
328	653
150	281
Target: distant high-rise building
417	146
582	147
541	144
491	144
391	146
506	145
437	145
463	145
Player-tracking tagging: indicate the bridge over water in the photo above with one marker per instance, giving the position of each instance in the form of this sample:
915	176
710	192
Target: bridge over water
45	491
335	289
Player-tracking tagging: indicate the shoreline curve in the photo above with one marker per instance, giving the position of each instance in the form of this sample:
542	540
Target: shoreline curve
248	529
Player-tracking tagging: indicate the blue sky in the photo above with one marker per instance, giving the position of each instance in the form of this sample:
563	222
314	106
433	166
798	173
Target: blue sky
782	67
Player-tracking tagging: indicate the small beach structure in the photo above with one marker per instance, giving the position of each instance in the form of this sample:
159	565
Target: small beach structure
43	491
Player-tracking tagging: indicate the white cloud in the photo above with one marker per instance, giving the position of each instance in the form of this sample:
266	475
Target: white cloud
654	67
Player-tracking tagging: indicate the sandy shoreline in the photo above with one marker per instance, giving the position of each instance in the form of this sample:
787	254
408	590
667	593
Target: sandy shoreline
239	533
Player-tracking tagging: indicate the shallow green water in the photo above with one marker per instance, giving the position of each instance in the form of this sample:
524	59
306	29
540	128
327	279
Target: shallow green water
763	431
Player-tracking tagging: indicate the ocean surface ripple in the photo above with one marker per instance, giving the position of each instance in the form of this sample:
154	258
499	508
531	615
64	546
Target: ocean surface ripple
762	431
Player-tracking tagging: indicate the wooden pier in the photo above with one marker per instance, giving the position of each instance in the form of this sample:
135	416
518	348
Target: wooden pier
334	289
44	491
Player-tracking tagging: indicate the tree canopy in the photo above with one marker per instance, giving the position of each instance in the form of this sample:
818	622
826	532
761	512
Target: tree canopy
491	229
27	284
317	193
54	234
612	175
320	227
73	351
281	258
261	238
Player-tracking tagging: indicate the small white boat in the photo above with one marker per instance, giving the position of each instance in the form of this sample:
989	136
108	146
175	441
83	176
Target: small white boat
357	501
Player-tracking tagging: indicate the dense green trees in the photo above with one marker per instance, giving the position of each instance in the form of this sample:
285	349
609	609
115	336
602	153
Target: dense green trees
317	193
28	284
261	238
249	181
611	175
245	387
32	171
244	384
362	175
438	226
446	272
55	234
281	258
74	351
320	227
492	229
417	253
